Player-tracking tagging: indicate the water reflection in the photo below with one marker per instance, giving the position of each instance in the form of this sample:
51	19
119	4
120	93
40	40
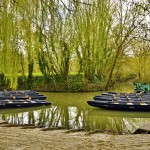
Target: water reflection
118	121
70	111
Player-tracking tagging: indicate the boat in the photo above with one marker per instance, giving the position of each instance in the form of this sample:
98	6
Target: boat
122	101
115	105
19	99
27	94
40	97
5	104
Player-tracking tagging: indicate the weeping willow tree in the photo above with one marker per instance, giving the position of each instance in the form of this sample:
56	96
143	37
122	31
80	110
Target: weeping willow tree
9	42
66	33
55	38
17	35
92	22
55	33
27	13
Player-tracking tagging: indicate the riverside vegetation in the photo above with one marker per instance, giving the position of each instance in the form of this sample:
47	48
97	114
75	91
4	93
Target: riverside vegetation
75	45
74	84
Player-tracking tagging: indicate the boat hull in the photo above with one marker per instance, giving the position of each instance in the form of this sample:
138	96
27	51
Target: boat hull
22	97
20	104
137	106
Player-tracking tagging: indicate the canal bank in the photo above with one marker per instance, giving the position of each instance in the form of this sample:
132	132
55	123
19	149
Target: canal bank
19	138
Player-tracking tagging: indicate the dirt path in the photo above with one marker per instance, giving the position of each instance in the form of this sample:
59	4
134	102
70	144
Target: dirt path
18	138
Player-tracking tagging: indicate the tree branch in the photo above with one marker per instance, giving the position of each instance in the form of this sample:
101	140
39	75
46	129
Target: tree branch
66	6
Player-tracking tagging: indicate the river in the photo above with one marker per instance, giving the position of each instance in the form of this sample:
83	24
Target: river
71	111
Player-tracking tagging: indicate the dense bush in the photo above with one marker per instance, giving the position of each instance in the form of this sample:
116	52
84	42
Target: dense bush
74	83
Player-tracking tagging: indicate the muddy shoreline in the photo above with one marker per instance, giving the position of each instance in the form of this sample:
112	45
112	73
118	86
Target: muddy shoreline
20	138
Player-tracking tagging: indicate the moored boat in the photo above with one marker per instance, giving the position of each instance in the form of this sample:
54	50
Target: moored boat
5	104
122	101
41	97
116	105
18	99
27	94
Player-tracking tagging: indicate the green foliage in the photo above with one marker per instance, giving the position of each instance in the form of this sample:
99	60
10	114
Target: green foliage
94	38
75	83
143	87
4	83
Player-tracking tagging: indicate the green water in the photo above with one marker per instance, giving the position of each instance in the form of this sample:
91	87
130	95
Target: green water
71	111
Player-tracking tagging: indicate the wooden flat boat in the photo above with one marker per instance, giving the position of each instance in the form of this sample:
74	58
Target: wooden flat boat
122	101
22	97
27	94
18	99
120	105
121	96
5	104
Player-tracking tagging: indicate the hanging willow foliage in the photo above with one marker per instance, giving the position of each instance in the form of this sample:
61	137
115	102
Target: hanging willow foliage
9	49
92	25
56	34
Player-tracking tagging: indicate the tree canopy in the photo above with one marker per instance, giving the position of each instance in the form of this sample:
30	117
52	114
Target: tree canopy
102	39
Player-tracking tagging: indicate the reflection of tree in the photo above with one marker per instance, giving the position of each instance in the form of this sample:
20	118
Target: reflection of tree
31	118
78	118
75	118
65	118
118	125
49	117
